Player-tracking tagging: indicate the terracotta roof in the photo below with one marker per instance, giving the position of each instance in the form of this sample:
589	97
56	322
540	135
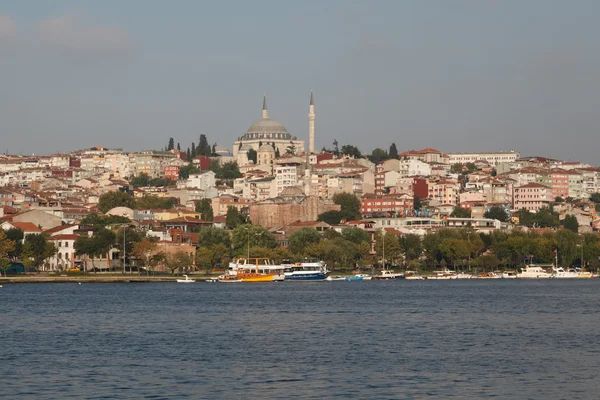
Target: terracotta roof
64	237
533	185
58	228
26	226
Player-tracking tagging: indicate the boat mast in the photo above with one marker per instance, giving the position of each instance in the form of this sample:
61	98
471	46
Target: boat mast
383	235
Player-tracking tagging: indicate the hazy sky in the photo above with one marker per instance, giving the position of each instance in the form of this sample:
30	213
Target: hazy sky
473	75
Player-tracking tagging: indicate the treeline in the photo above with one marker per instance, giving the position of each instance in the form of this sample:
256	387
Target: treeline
202	149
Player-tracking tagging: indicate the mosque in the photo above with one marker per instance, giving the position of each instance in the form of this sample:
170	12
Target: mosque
269	138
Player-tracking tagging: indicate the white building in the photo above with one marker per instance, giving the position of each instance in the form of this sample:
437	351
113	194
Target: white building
494	158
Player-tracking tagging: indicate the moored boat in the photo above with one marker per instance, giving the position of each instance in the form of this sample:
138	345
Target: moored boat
310	270
509	274
443	275
413	276
533	272
256	270
359	277
335	278
187	279
385	275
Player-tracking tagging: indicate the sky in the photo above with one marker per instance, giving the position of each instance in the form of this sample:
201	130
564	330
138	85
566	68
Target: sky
455	75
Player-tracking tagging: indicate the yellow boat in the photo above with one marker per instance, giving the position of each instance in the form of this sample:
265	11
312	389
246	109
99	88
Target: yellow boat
256	270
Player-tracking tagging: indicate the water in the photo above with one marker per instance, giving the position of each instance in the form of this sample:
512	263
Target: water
512	339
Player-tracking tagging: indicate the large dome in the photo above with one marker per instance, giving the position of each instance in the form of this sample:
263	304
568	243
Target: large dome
266	128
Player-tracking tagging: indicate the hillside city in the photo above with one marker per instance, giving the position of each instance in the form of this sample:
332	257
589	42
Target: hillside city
201	206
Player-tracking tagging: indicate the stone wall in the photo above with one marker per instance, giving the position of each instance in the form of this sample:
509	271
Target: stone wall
270	214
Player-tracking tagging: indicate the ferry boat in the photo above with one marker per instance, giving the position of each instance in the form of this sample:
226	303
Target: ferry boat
308	270
533	272
256	270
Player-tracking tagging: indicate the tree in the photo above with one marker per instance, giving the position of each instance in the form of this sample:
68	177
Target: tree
417	203
252	156
387	245
526	217
411	246
546	217
595	197
171	144
149	201
456	168
178	147
378	155
350	205
142	180
245	236
291	149
228	170
570	200
487	262
497	212
393	151
352	151
210	236
356	235
99	221
460	212
95	245
204	207
203	146
143	250
336	149
36	249
331	217
209	256
570	223
6	247
187	170
193	152
131	236
302	238
188	155
15	235
454	250
277	153
234	218
559	199
181	260
111	200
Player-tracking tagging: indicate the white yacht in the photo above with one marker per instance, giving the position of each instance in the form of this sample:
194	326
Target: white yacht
571	273
509	274
186	280
444	274
533	272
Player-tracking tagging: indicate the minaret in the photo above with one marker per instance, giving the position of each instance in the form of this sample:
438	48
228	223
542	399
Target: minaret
265	112
311	124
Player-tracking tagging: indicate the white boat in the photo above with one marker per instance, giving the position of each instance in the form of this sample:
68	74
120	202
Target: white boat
445	275
533	272
571	273
309	270
335	278
413	276
359	277
463	275
386	274
186	280
509	274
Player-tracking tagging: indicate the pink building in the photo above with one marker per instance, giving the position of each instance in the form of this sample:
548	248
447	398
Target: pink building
532	197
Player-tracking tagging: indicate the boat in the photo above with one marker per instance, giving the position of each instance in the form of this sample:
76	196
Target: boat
186	280
256	270
308	270
571	273
359	277
464	275
509	274
413	276
386	274
228	279
444	274
335	278
488	275
533	272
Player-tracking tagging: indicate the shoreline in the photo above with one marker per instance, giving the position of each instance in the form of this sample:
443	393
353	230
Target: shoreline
94	279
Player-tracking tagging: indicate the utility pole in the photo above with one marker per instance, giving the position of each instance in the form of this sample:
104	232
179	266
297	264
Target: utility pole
248	230
469	240
124	251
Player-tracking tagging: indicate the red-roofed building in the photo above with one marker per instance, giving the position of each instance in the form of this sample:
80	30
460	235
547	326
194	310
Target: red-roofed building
27	227
532	197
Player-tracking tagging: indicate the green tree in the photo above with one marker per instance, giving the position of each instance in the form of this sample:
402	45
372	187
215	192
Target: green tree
559	199
526	217
96	245
228	171
302	238
234	218
209	236
209	256
487	262
203	146
204	207
187	170
456	168
417	203
142	180
570	223
349	203
387	245
110	200
6	247
144	250
36	249
378	155
252	235
171	144
460	212
99	221
454	250
356	235
497	212
566	243
352	151
331	217
149	201
411	246
595	197
546	217
393	153
132	238
252	156
15	235
179	260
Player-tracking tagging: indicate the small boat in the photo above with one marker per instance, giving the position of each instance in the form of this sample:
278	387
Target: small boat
385	275
571	273
186	280
335	278
533	272
413	276
359	277
509	274
463	275
228	279
488	275
445	275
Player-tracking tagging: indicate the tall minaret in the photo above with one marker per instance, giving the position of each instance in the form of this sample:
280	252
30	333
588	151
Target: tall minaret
311	124
265	112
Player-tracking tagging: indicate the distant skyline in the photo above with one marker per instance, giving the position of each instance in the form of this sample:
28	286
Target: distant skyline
455	75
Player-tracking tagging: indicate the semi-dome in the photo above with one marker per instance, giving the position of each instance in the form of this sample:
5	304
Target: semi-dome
266	147
266	128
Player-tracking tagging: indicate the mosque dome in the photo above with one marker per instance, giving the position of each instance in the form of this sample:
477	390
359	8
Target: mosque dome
267	128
